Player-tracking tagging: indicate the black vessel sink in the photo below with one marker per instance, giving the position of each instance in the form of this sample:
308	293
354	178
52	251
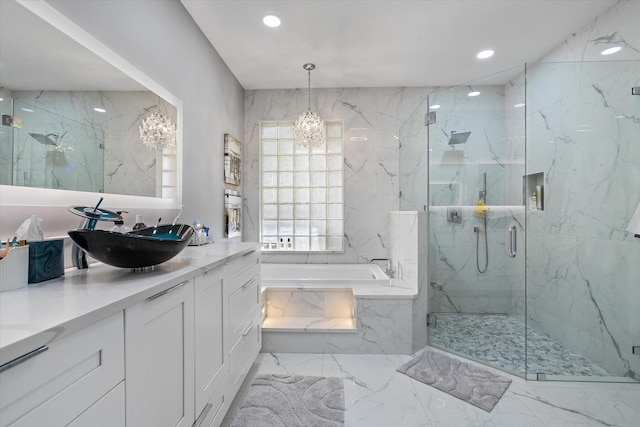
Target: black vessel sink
137	249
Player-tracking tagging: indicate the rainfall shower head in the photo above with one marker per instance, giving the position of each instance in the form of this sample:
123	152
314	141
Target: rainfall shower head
458	137
45	139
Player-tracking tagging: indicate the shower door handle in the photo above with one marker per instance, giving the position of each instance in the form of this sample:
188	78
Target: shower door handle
512	241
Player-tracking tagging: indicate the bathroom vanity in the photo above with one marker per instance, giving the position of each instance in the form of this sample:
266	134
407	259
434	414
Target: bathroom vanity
108	346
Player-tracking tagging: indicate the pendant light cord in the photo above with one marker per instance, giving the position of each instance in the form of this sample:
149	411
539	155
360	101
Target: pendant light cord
309	90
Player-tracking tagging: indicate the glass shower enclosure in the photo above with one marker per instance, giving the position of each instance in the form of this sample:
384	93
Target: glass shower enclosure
530	178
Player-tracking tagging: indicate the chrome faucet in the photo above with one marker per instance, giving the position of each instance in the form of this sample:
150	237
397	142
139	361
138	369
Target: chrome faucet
389	267
90	217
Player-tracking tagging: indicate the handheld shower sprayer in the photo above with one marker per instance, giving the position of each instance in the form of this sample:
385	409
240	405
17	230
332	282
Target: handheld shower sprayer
481	210
481	206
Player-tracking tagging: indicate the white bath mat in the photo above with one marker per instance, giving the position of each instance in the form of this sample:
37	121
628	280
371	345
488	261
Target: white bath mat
292	401
477	386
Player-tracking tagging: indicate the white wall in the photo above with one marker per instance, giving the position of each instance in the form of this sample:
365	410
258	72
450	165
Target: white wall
161	40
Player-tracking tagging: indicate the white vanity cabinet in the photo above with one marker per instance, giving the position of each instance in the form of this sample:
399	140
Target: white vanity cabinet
159	338
211	362
176	358
244	338
68	380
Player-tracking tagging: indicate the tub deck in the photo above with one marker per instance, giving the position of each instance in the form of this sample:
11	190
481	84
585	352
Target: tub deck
364	280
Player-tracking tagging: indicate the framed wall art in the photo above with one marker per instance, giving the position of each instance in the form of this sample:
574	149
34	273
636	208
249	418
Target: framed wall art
232	160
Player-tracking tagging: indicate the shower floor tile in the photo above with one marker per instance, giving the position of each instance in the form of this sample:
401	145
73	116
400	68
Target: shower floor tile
499	340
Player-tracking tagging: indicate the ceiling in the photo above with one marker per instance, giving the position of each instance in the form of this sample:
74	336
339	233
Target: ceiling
369	43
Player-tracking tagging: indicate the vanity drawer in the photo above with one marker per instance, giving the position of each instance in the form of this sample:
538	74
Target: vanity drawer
245	262
244	353
216	408
242	302
67	377
243	278
106	412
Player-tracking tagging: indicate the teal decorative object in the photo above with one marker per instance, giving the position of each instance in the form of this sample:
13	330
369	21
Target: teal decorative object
46	260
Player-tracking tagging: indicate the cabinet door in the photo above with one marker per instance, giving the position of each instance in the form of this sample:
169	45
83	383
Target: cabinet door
159	359
210	360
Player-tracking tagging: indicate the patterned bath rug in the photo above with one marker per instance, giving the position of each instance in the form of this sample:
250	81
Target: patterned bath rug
292	401
474	385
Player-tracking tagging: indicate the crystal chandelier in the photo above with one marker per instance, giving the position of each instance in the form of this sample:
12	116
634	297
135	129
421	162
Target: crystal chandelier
158	131
309	129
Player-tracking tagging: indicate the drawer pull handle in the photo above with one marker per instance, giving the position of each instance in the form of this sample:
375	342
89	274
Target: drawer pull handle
166	291
203	414
247	330
215	268
23	358
249	282
249	253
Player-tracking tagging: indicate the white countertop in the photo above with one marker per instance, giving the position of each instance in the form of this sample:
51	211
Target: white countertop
40	313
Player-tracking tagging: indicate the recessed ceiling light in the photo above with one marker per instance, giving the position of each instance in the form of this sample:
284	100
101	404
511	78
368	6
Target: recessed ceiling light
1	99
28	110
100	110
434	107
473	93
485	54
271	21
611	50
519	105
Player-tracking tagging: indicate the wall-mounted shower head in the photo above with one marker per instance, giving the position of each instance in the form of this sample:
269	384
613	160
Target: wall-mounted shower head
45	139
458	137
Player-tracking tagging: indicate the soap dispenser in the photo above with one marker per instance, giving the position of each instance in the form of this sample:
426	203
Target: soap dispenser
119	226
139	222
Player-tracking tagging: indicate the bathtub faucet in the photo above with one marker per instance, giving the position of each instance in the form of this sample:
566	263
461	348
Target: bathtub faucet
388	269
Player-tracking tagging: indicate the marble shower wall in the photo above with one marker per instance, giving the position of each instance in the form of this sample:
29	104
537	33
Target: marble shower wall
583	128
98	152
408	250
371	183
455	179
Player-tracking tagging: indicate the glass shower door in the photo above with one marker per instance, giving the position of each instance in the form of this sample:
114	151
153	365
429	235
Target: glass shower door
583	286
476	215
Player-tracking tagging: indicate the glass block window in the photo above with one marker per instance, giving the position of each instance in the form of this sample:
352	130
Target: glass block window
301	190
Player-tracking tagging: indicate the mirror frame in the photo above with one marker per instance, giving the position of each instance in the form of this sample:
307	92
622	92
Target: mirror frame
30	196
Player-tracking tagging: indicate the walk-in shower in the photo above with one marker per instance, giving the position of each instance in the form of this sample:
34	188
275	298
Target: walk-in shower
549	171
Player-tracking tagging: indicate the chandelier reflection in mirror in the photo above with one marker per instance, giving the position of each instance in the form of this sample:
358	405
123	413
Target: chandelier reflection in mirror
309	129
158	131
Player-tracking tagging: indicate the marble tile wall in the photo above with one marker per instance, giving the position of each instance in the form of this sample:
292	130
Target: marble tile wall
582	271
383	327
122	166
309	303
408	251
371	184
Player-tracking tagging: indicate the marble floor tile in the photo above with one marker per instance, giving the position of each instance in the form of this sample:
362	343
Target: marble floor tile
377	395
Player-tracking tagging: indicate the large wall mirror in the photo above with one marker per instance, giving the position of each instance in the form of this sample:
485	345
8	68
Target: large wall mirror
71	117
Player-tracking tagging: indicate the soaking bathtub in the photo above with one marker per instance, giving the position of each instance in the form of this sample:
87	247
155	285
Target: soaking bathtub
323	275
